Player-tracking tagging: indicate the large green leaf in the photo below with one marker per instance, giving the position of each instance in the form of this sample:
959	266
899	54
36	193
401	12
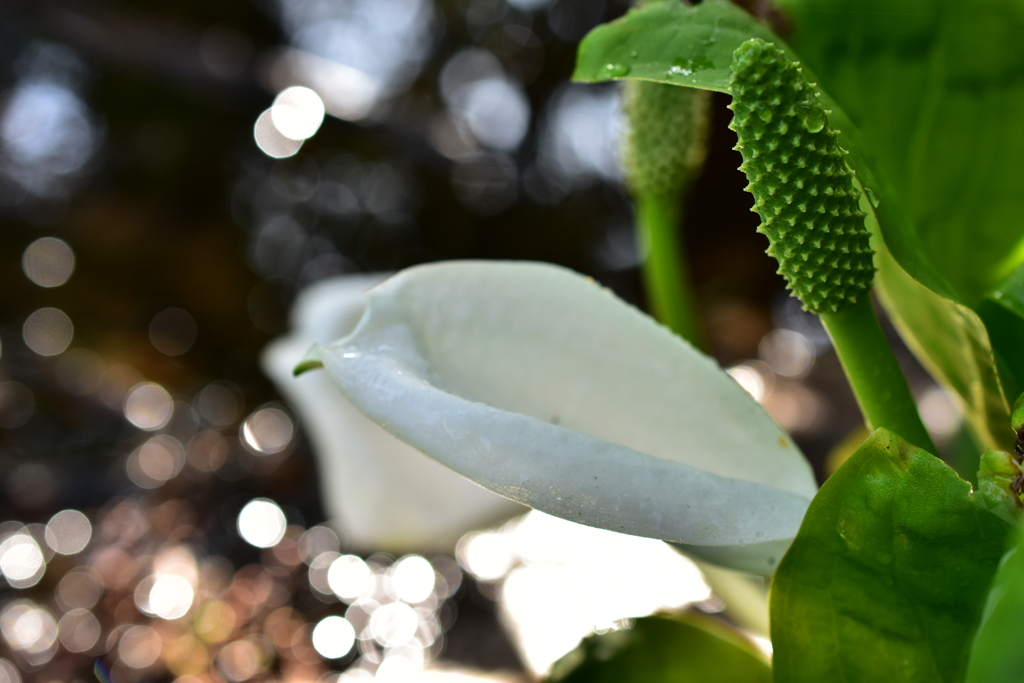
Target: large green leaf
887	577
934	86
996	654
665	649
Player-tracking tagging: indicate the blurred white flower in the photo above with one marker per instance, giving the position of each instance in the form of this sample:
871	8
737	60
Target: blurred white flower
381	493
543	387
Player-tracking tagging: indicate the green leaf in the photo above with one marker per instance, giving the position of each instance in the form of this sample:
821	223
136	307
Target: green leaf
670	42
953	343
996	654
886	579
1003	313
665	649
933	86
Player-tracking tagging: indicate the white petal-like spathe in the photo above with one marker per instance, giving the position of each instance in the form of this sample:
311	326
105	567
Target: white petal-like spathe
381	493
547	389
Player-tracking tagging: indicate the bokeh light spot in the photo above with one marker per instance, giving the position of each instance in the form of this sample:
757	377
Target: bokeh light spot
48	262
317	540
750	379
268	430
333	637
394	624
170	597
297	113
21	560
28	627
261	523
8	674
48	331
139	647
270	140
485	555
68	532
172	331
148	406
413	578
940	413
239	660
155	462
79	589
788	353
219	403
350	578
79	630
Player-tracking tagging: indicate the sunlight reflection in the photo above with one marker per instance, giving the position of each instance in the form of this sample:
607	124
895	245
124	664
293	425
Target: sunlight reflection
414	579
297	112
261	523
569	580
333	637
21	560
755	379
170	597
350	578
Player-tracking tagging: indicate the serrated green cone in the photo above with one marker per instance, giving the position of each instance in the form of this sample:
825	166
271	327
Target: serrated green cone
803	190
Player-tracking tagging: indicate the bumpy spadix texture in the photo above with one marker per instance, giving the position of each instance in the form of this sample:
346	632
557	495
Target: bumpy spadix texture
543	387
802	187
667	140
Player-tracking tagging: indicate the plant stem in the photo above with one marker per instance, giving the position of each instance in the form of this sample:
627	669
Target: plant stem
875	376
666	276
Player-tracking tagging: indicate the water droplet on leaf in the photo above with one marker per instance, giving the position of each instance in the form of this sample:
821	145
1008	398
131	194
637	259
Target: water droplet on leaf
616	70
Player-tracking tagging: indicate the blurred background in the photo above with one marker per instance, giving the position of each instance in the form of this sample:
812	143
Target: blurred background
172	174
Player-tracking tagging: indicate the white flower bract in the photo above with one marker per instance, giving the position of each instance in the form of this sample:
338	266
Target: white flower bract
542	386
380	493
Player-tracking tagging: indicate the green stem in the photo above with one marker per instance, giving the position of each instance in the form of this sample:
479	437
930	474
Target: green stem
873	373
666	277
